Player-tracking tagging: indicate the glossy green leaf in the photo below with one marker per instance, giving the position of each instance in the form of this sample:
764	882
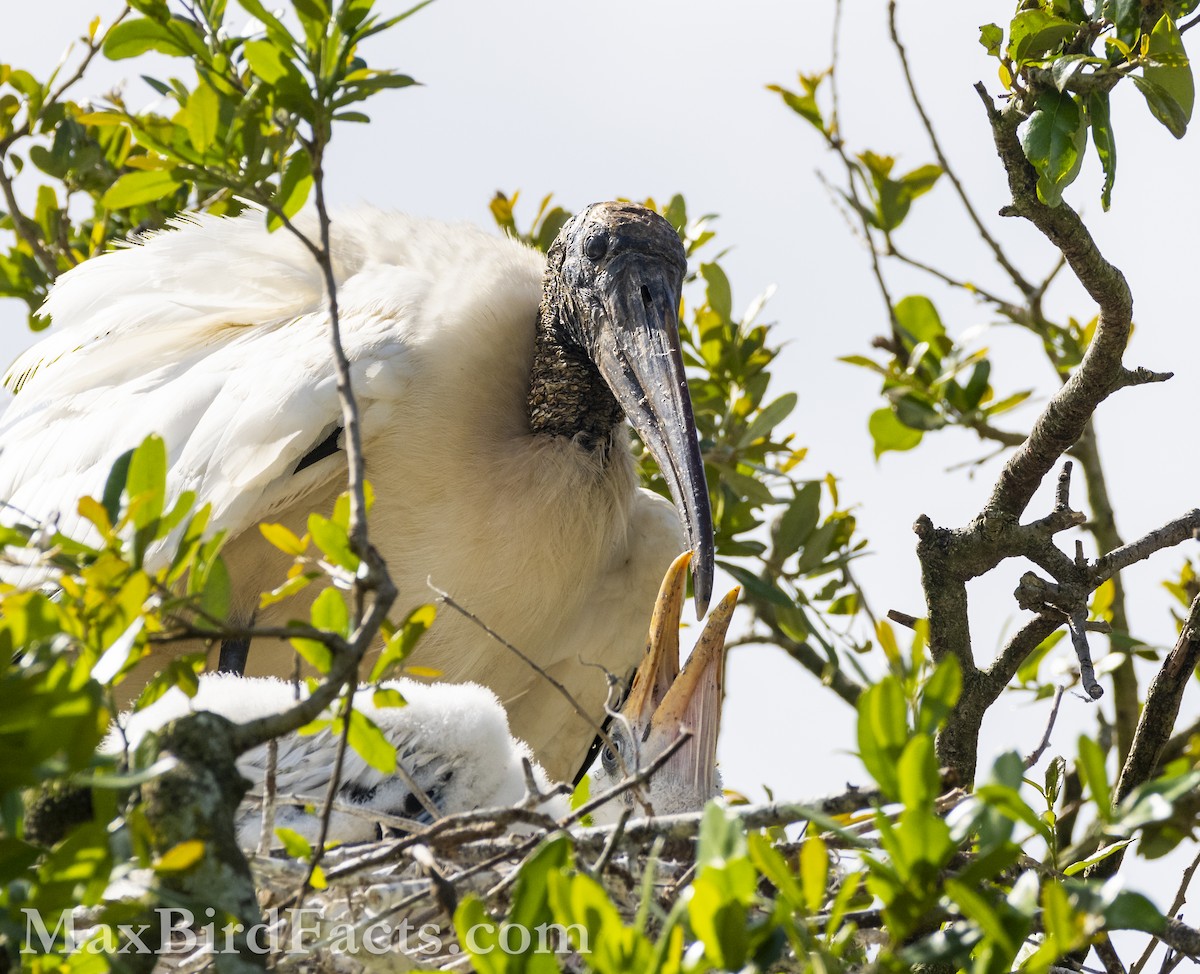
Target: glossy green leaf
1169	69
147	480
1163	106
203	109
371	744
888	433
135	37
1035	33
329	612
1053	140
991	37
135	188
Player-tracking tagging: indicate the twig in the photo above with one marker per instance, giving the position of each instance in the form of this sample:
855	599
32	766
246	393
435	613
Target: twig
335	782
1169	535
1108	956
566	694
834	139
1036	754
903	619
597	868
269	795
1161	709
1065	417
1017	278
1077	624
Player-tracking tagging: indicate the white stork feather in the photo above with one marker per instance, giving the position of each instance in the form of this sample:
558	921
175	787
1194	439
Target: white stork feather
215	335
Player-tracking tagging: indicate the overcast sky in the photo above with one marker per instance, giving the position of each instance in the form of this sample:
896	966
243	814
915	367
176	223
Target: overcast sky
635	98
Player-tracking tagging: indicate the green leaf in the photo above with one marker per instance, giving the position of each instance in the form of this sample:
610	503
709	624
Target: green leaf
917	773
135	188
814	872
977	385
991	37
400	644
888	433
214	599
370	743
798	520
1170	70
803	105
939	695
1054	140
333	541
1095	776
294	188
266	61
914	412
768	418
1127	15
294	844
1034	33
722	836
1163	106
329	612
1132	911
135	37
919	318
147	481
717	291
1111	849
203	109
883	732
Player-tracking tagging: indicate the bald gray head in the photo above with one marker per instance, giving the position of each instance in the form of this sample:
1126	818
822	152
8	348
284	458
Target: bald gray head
608	347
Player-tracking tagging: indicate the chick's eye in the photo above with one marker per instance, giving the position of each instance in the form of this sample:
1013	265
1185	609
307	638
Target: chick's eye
596	247
608	758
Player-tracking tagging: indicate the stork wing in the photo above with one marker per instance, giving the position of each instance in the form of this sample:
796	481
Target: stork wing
214	335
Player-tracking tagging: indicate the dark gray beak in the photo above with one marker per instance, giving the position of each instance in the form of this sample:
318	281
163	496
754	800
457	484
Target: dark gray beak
638	355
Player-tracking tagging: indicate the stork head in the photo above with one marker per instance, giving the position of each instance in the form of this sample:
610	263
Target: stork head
613	281
663	701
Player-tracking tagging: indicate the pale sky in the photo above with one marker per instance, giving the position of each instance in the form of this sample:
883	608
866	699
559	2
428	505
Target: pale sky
635	98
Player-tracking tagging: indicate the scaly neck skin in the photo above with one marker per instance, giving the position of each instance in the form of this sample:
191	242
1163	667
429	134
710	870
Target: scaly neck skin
567	396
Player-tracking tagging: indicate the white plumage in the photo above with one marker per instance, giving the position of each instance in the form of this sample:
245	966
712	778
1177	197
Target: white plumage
453	739
214	335
454	742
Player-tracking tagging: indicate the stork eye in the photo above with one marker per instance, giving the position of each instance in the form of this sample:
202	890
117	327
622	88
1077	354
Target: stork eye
608	758
596	247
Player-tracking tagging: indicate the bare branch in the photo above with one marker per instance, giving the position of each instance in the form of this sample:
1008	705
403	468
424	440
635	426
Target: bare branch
1163	698
1077	624
1036	754
1169	535
1101	372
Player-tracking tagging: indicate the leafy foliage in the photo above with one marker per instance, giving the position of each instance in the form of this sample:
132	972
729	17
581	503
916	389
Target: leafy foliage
1007	875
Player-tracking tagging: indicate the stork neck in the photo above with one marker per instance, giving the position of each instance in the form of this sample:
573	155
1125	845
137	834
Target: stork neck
567	395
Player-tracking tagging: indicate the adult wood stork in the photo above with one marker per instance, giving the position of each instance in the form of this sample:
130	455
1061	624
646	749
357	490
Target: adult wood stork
453	740
492	384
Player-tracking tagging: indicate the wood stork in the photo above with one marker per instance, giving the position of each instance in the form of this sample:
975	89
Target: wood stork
492	384
454	741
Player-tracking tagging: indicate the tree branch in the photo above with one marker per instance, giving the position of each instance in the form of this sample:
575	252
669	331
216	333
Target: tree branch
1101	372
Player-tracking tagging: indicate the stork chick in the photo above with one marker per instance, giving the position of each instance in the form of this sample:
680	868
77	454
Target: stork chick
662	702
453	740
492	385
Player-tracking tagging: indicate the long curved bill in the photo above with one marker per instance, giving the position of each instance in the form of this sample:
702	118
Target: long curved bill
694	702
638	355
